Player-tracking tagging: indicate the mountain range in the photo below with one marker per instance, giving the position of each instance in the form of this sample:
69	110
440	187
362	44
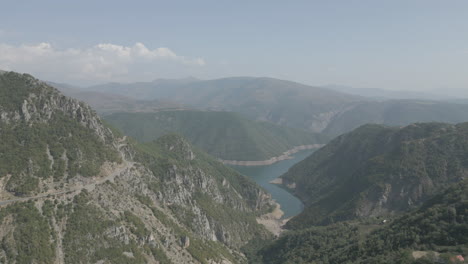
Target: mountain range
266	99
76	189
286	103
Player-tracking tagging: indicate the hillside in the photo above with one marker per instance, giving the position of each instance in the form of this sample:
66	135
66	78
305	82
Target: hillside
377	170
434	233
225	135
74	191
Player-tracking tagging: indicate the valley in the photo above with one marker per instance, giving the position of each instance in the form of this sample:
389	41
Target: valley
264	175
233	132
217	187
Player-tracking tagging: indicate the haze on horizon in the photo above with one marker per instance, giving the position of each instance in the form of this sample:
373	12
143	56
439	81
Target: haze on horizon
396	45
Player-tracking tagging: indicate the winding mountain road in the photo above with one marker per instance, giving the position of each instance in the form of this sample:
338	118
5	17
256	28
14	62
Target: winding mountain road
126	165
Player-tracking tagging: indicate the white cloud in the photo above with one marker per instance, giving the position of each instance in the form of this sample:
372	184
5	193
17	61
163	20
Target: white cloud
102	62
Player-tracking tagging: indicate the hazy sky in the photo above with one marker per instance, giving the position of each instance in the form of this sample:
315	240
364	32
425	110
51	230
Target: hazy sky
414	45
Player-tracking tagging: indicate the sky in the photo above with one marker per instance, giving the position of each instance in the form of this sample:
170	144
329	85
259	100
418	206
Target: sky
419	45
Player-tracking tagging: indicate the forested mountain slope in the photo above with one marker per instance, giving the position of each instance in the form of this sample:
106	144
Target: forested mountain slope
225	135
74	191
378	170
434	233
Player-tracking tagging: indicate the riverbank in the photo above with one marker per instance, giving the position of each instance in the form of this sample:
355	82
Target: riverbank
272	221
285	156
279	181
262	175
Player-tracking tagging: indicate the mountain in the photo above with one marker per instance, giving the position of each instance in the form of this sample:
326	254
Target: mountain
433	233
267	99
45	134
225	135
108	103
383	94
75	191
377	170
396	113
315	109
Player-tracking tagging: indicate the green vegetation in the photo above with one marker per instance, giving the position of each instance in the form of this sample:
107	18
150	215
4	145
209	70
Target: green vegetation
234	213
39	149
376	170
438	226
160	256
170	150
349	187
203	251
225	135
24	146
15	88
30	239
86	240
74	150
52	140
138	227
359	179
199	249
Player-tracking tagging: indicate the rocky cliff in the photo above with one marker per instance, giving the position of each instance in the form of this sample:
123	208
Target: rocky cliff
74	191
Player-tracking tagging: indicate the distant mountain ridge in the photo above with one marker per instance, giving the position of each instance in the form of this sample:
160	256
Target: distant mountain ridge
266	99
396	113
383	94
225	135
108	103
316	109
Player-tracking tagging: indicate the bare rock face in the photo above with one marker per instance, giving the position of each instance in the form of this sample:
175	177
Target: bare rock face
185	241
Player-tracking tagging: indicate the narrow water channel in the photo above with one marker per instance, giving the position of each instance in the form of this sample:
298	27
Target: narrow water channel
290	204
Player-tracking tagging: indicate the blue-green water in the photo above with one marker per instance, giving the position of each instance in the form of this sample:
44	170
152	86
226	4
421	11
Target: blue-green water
290	204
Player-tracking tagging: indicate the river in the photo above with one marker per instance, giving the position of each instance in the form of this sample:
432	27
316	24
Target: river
262	175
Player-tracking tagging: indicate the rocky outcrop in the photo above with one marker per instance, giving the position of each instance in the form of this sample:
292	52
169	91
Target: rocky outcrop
44	101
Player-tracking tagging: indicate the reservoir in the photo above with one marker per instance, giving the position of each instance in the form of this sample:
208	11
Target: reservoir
262	175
